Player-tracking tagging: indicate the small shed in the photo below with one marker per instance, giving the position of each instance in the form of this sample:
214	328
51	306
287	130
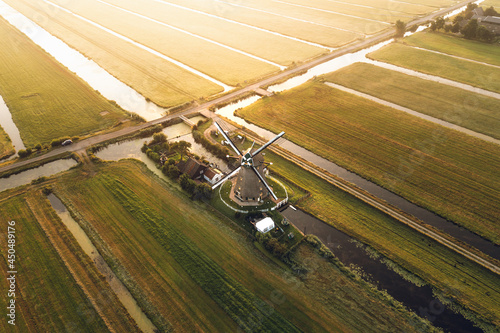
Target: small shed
265	225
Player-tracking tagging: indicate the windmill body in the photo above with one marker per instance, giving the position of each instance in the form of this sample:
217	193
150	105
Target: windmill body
250	186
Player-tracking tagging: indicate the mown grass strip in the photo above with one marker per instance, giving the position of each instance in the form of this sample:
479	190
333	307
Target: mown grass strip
473	111
45	99
464	71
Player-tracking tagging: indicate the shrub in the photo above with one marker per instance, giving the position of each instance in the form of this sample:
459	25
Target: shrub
23	153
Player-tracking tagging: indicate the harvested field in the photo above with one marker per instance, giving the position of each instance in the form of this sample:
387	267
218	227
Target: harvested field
445	171
476	112
45	99
464	71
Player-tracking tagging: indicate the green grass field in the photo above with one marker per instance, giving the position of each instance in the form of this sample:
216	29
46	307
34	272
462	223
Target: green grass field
45	99
473	111
464	71
159	80
48	298
445	171
450	44
6	148
202	272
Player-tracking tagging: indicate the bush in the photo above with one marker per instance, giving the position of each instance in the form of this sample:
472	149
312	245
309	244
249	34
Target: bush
159	137
24	153
59	141
38	147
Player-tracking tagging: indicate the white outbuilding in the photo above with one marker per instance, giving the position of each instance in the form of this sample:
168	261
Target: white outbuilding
265	225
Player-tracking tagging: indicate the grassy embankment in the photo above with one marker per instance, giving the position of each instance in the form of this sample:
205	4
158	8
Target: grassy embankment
478	75
445	171
51	297
223	64
153	77
256	42
45	99
6	148
473	111
461	47
201	272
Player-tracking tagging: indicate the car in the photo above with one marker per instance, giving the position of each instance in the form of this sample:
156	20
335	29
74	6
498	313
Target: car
66	142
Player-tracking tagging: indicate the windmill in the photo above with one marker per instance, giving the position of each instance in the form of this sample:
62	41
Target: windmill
250	184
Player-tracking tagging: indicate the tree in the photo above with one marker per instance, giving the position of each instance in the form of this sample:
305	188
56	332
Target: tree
470	29
458	18
171	171
400	28
187	183
159	137
440	23
181	147
456	27
484	34
447	28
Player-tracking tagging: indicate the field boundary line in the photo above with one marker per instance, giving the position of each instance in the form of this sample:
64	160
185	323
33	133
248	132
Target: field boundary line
196	36
382	206
331	12
434	78
453	56
146	48
291	18
415	113
245	25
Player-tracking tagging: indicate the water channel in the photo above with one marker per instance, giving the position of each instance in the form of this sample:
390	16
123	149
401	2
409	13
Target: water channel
418	299
426	216
27	176
116	285
9	127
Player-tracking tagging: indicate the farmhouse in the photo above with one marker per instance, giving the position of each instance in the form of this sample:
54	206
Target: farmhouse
492	23
192	168
212	176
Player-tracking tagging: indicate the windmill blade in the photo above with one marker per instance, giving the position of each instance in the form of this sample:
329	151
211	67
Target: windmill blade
264	182
268	144
227	138
220	182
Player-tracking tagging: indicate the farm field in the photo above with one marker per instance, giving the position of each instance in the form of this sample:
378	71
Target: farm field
470	49
435	264
44	284
6	148
186	259
445	171
224	65
476	112
488	3
459	70
155	78
45	99
245	38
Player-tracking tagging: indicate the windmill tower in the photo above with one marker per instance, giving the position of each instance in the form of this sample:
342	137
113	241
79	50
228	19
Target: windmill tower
251	185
